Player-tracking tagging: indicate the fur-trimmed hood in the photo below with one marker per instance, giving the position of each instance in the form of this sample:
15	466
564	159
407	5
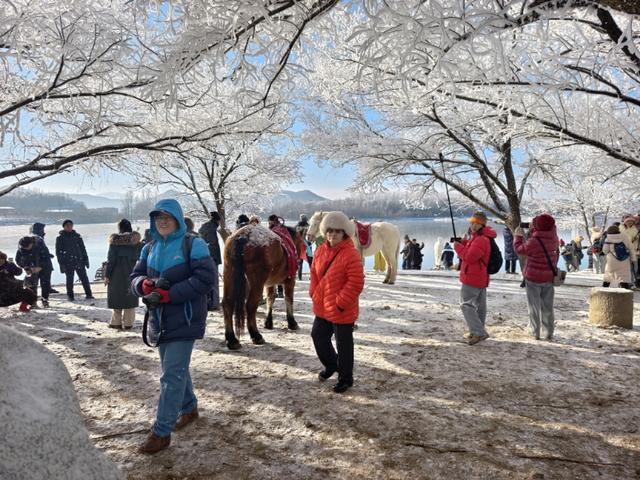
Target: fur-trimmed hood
127	238
338	221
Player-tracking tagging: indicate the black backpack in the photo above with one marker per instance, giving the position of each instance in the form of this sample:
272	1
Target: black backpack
495	258
620	251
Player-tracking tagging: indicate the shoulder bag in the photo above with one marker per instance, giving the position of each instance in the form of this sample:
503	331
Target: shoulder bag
558	275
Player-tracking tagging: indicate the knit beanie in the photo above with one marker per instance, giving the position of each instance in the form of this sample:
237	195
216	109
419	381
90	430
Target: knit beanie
67	221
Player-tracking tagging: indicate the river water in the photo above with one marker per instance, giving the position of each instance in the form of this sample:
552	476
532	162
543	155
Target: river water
95	237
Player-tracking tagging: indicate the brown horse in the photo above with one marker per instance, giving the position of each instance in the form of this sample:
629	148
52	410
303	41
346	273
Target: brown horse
254	258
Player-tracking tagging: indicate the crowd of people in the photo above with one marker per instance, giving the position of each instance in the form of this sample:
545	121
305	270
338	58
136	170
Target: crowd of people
174	282
174	270
35	260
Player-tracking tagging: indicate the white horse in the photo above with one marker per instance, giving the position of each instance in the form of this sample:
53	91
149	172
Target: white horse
385	238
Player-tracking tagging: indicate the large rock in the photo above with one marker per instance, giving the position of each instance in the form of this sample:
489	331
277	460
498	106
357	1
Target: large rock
43	432
611	307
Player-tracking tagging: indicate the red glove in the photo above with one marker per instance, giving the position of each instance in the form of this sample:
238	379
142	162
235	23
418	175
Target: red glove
148	286
164	295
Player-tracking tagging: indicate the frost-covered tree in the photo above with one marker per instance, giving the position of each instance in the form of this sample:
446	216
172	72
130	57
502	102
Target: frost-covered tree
86	83
90	81
233	173
405	81
588	190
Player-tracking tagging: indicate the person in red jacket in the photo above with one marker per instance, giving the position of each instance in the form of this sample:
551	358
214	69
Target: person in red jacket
537	273
474	252
337	279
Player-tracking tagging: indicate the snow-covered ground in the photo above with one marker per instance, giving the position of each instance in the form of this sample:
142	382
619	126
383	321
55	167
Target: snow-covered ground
425	404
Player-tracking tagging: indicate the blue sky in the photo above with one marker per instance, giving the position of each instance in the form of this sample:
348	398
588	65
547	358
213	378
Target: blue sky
326	181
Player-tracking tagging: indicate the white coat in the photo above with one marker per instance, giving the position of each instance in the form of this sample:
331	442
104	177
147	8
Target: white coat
617	271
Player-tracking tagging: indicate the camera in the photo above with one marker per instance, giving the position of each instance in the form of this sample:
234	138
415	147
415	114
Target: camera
525	224
455	239
152	300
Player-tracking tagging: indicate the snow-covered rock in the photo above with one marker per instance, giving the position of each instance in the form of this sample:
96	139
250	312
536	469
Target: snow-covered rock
44	436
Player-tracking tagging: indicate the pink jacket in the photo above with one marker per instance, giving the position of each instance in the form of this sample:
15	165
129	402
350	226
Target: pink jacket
537	267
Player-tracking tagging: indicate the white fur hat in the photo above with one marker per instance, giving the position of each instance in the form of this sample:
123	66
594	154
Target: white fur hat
337	221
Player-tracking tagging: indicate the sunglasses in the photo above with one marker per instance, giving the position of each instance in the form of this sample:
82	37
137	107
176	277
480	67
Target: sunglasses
334	230
163	218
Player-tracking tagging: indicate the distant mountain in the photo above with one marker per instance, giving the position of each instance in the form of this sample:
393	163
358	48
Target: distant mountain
302	196
96	201
113	195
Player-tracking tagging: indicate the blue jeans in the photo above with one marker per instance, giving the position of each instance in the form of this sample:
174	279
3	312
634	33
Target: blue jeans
176	389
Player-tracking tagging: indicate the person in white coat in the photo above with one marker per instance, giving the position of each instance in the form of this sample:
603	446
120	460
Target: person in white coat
437	254
629	229
618	269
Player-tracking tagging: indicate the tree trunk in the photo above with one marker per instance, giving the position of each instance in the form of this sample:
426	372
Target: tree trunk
611	307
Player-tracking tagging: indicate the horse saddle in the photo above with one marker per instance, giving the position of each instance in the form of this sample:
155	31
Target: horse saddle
289	249
363	230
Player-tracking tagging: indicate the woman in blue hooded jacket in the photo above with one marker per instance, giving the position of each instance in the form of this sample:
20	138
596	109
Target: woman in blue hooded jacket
174	289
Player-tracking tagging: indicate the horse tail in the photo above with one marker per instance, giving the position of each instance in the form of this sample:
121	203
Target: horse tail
239	283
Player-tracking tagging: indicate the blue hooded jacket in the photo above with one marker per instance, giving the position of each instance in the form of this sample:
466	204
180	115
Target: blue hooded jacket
184	317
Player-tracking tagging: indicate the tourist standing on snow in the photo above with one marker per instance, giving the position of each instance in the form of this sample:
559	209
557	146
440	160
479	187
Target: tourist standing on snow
474	252
124	250
510	257
446	260
541	251
209	233
577	249
12	290
620	257
629	229
437	254
337	280
34	257
406	253
599	258
38	229
72	257
174	288
415	255
306	251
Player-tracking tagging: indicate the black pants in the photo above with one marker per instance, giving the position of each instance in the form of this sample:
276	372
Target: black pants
15	292
342	361
621	285
69	271
44	277
510	266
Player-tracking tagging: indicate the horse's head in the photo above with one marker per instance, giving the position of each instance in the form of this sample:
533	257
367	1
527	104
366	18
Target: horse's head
314	226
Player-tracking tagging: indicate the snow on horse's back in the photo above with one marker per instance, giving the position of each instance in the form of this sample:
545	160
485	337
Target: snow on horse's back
385	238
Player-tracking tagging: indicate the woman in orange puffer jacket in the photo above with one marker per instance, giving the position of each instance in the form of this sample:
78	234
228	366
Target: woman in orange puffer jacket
337	279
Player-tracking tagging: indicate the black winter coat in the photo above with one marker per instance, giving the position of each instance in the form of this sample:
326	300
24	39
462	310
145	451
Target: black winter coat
10	287
124	250
38	256
209	233
71	251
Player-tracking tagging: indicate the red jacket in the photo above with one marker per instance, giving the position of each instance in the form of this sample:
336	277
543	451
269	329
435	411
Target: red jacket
536	268
338	287
475	255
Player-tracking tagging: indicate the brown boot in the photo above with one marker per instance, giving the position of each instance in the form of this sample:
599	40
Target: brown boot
186	418
154	444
